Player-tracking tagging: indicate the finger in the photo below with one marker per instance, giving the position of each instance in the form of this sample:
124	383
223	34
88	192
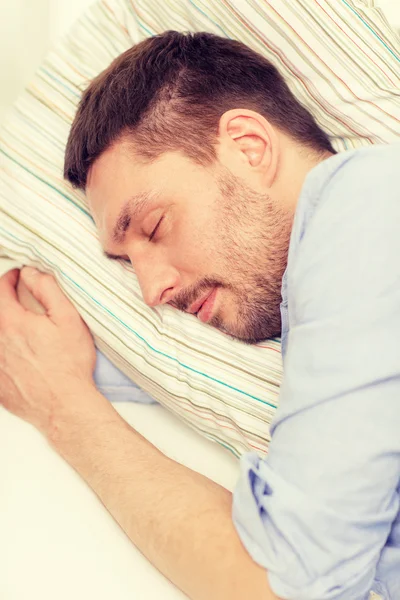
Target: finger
27	299
8	294
46	291
11	312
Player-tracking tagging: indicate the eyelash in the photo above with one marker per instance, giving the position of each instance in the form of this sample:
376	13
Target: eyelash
153	233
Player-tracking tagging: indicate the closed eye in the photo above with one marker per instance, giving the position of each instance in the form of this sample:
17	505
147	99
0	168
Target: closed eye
117	256
153	233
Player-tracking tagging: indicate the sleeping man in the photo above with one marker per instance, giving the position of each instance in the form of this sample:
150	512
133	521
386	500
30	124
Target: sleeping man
202	169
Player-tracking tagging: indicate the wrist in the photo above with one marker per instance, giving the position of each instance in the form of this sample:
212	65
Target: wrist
82	412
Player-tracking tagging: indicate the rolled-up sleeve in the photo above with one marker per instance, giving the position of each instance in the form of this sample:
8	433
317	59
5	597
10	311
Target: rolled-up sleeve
318	512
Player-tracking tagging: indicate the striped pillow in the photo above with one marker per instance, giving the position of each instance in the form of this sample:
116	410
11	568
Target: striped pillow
339	57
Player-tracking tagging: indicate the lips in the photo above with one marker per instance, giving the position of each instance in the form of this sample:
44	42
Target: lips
206	310
195	307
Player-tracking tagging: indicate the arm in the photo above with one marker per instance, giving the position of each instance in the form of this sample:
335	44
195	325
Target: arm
179	519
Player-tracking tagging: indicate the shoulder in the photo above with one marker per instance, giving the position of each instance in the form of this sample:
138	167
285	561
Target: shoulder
362	189
350	241
350	177
368	168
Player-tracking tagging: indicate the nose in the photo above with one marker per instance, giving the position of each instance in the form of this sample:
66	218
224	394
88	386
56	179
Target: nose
159	281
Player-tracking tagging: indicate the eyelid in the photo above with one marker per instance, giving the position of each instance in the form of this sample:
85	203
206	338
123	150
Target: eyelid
153	233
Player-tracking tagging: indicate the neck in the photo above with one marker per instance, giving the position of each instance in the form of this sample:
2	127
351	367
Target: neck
296	162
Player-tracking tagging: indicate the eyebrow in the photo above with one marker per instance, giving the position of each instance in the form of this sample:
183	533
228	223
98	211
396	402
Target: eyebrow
129	211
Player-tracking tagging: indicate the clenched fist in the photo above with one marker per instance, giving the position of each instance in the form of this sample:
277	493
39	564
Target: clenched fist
46	360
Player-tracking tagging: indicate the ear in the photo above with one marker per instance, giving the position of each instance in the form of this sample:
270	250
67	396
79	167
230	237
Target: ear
246	136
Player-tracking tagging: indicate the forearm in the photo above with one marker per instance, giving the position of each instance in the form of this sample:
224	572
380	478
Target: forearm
180	520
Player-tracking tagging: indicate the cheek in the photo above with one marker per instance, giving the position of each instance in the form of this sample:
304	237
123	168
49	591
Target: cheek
194	248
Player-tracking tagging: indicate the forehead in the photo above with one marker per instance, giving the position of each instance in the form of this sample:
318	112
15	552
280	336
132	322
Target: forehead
112	179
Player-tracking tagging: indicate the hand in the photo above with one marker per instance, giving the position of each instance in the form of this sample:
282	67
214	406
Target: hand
46	360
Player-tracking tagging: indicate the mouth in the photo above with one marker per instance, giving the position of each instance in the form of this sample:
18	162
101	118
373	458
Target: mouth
205	310
195	307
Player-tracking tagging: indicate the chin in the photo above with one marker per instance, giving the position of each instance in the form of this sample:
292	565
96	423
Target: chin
252	334
233	330
249	339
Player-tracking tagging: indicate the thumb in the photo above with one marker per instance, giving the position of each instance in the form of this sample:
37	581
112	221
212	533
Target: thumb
27	299
8	283
47	293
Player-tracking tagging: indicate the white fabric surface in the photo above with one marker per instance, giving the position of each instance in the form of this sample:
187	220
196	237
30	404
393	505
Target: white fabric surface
391	10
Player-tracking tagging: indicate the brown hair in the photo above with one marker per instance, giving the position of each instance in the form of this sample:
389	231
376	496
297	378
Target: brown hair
169	93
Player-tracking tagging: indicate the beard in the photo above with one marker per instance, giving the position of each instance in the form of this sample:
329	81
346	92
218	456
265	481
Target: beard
252	241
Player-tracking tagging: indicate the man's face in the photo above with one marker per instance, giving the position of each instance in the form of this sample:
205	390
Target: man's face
198	238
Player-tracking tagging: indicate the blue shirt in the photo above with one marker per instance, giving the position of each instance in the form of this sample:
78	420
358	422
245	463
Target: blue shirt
321	512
